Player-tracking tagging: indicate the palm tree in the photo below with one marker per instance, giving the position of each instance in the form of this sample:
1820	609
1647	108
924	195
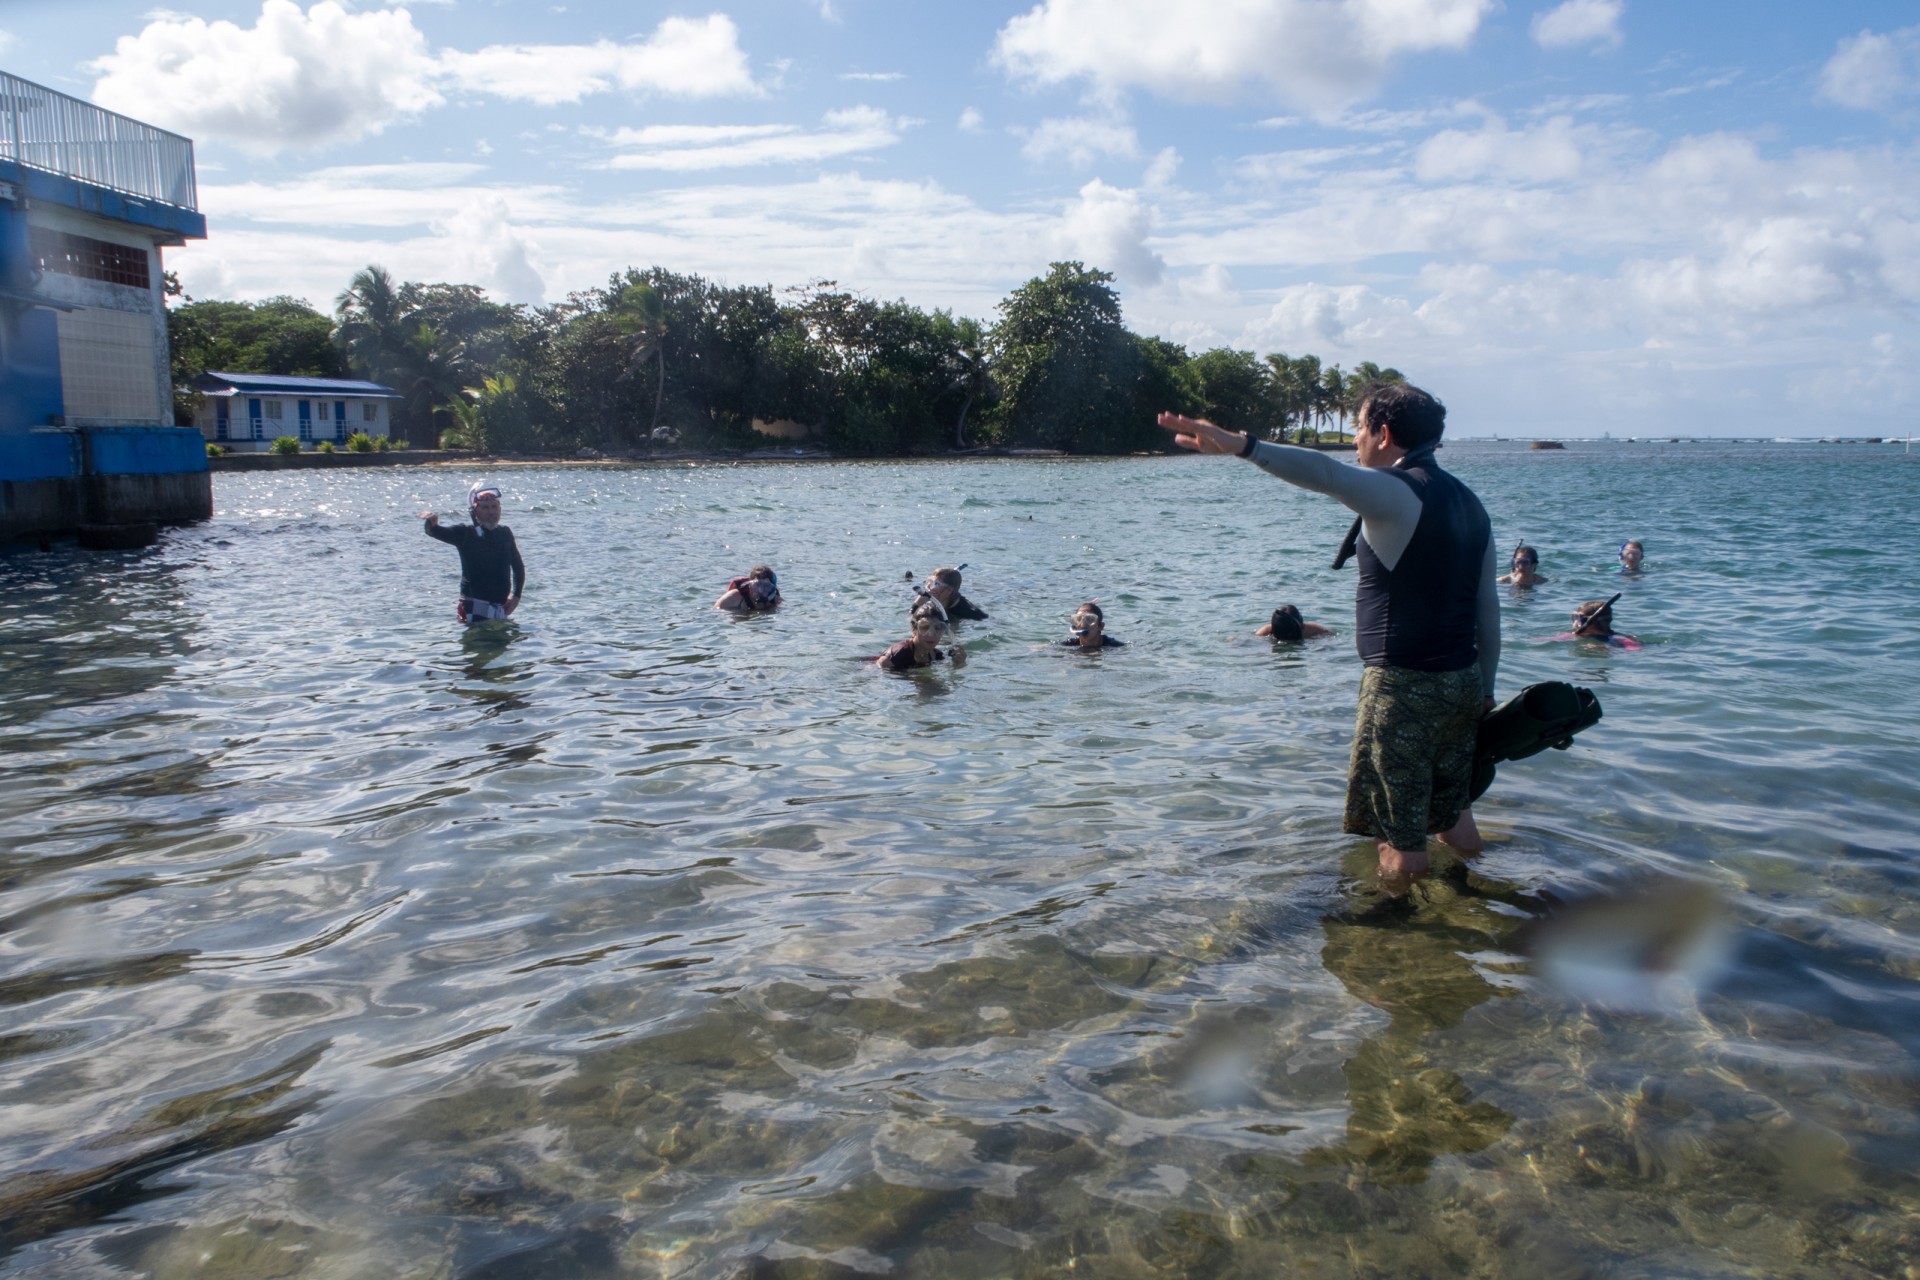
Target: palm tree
1333	396
433	375
372	322
640	318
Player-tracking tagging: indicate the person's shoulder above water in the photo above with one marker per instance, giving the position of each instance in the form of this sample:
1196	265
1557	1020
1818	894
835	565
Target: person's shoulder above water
1088	631
1593	620
758	591
943	584
1523	568
922	648
1286	626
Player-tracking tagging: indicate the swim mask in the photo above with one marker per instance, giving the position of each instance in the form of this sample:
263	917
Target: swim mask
478	489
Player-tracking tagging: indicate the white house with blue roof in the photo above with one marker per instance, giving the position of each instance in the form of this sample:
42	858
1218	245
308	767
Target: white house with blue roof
88	199
247	412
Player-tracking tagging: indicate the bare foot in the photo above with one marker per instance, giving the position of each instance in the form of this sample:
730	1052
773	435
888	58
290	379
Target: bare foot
1464	835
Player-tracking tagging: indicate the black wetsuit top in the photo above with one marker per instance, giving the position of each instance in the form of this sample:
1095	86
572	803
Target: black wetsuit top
486	563
1106	642
1421	614
961	608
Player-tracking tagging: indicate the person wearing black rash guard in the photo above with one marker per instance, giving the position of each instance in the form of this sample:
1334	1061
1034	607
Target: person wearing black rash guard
1090	631
1427	617
491	571
944	585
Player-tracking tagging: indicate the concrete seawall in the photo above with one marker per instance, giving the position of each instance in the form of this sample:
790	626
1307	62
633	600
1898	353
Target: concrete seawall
112	484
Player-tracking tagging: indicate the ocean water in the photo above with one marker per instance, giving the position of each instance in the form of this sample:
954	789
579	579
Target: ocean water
632	939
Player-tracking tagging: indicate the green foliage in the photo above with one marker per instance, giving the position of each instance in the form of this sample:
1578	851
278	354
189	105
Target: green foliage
325	446
1067	367
382	443
1235	390
217	450
360	442
286	444
655	355
280	335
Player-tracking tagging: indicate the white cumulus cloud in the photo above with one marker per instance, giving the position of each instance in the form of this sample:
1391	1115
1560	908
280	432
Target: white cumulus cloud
1549	152
686	148
294	79
1579	22
308	79
1318	55
1079	141
1873	72
684	58
1107	228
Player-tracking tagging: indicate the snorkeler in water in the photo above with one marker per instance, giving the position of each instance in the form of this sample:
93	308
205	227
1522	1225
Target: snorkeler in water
492	574
758	592
1286	626
922	649
1632	553
1594	621
943	584
1089	634
1523	568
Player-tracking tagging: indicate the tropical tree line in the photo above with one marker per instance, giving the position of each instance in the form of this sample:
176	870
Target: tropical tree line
656	359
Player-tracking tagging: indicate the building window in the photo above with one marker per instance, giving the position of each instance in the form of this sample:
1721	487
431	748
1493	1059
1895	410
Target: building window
273	408
69	255
369	413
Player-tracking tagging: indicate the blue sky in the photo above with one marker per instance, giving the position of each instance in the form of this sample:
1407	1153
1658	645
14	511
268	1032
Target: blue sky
1563	218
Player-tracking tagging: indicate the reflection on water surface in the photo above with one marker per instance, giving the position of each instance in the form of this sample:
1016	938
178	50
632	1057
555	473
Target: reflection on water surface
628	939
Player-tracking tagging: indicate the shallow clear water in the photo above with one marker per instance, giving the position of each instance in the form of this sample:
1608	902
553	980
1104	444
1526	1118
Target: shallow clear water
633	939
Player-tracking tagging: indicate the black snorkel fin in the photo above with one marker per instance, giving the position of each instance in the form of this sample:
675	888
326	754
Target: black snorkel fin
1538	717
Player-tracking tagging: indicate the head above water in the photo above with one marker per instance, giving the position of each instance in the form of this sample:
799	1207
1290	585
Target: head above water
1525	557
1088	619
1286	625
483	503
1403	414
1632	552
1595	617
929	620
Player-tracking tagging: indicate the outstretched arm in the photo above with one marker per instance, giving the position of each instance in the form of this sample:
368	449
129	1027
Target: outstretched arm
1388	506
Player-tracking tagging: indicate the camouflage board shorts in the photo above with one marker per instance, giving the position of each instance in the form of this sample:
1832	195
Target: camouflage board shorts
1412	753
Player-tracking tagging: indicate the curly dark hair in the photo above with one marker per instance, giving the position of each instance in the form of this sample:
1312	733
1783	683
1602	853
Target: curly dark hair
1410	417
1287	625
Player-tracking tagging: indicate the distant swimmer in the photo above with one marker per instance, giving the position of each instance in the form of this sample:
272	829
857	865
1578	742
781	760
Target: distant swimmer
923	649
1286	626
491	571
944	585
1631	554
758	592
1523	568
1594	621
1089	633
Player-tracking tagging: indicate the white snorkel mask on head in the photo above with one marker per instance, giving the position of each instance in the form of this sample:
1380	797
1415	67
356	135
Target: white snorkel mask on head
475	491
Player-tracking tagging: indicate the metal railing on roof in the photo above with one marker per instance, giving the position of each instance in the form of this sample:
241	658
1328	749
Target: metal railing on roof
46	129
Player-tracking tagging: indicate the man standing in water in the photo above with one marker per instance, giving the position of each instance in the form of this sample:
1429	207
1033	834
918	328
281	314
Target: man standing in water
491	571
1427	617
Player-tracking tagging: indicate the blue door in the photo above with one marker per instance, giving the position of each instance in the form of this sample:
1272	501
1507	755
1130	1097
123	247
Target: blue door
259	423
222	419
340	420
306	420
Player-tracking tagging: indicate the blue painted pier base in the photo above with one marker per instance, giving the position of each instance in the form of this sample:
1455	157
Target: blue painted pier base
59	480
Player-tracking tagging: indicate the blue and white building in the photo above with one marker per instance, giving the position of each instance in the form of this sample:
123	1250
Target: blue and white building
247	412
88	199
